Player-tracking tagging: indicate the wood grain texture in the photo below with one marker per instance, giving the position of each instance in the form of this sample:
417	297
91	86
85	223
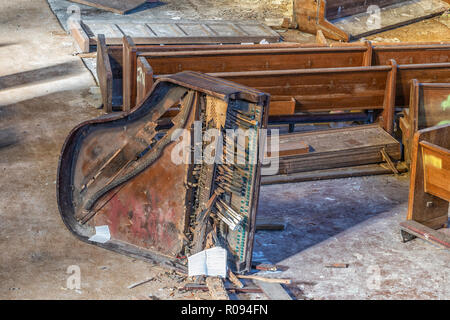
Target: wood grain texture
426	208
427	108
104	73
337	148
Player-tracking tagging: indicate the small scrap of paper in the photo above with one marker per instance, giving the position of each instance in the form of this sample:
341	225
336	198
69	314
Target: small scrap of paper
102	234
211	262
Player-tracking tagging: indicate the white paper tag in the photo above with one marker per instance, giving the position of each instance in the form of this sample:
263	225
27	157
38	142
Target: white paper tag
102	234
211	262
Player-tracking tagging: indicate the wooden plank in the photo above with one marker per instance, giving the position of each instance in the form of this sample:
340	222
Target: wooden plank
423	232
280	107
425	208
411	54
336	148
79	35
289	148
337	173
429	106
255	60
437	170
219	59
158	32
116	6
144	80
104	73
274	291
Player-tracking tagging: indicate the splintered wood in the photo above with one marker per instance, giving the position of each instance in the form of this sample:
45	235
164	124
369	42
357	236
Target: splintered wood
217	288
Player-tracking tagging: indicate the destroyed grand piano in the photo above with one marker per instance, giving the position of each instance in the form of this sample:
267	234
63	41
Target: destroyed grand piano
118	172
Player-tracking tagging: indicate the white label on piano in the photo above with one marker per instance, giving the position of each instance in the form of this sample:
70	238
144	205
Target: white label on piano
102	235
211	262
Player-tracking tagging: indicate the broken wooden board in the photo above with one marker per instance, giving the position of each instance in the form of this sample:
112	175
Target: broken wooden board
116	6
336	148
354	55
175	32
216	288
349	20
337	173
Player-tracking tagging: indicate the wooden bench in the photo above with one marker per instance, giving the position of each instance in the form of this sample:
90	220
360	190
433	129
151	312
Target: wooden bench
313	90
429	192
378	54
242	60
262	60
120	60
429	106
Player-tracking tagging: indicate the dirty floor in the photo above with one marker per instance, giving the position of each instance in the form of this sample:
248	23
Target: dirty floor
45	91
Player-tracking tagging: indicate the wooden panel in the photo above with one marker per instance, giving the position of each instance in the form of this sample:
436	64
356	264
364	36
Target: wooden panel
429	106
131	50
174	32
337	148
280	107
433	72
336	173
79	35
104	74
255	60
109	74
411	54
117	6
436	166
425	208
144	79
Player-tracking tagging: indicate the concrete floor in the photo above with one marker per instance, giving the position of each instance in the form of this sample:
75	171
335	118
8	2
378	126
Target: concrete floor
45	91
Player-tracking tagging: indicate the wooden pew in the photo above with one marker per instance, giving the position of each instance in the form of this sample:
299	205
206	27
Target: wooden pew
314	90
241	60
378	54
429	106
110	74
131	51
429	192
305	58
